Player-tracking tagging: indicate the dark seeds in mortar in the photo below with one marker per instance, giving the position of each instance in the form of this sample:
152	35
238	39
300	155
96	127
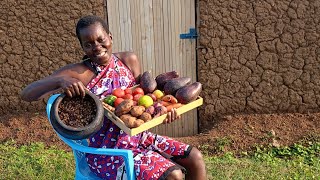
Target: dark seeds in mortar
77	111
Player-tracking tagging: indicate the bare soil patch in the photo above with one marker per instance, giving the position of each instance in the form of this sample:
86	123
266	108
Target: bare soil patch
235	133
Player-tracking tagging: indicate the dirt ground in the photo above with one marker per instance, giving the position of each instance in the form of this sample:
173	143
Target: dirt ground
230	133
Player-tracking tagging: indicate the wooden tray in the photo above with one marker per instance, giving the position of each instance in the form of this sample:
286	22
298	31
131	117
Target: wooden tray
152	123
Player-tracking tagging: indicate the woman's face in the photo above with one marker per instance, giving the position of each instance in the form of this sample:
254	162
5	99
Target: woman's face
96	43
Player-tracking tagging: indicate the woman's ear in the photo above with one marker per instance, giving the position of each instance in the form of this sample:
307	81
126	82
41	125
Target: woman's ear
110	35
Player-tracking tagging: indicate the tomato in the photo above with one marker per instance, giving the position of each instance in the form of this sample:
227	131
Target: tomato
118	92
138	90
118	101
128	91
137	97
127	96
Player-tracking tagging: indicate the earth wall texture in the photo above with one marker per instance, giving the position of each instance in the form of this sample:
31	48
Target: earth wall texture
258	56
36	38
254	56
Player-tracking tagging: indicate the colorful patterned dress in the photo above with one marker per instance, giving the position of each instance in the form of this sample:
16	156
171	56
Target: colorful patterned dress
146	146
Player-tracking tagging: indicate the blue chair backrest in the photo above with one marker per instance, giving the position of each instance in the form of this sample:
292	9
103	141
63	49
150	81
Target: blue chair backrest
80	147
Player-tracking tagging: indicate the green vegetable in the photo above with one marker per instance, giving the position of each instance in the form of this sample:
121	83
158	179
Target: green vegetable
110	99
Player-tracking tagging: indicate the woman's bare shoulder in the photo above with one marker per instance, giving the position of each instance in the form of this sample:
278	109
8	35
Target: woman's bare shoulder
127	56
131	60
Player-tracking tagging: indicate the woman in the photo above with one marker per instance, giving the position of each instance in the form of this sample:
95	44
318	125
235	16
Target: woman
101	72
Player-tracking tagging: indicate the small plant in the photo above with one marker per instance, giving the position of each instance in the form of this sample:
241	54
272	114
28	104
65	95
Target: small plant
216	146
221	143
308	153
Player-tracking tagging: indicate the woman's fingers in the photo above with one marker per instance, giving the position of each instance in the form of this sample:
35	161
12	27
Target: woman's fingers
172	115
68	92
72	91
76	89
82	90
167	120
176	114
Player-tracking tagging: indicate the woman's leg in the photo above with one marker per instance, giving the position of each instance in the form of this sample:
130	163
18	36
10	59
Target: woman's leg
194	164
175	175
188	157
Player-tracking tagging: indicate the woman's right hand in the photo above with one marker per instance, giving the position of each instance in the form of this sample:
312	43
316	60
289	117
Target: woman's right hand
72	87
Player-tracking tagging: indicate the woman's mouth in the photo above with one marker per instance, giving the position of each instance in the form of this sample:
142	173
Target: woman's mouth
101	54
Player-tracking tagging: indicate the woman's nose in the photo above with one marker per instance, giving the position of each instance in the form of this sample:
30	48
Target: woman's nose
96	46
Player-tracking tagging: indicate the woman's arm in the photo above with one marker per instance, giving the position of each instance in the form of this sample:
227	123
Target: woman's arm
70	79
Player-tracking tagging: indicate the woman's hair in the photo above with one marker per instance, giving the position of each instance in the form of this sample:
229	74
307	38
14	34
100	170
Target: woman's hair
89	20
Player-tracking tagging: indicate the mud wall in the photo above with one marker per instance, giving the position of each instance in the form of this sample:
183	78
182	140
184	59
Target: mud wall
254	56
258	56
36	38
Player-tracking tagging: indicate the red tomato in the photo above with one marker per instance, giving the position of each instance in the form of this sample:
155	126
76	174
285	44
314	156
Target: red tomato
118	101
128	91
127	96
138	91
118	92
136	97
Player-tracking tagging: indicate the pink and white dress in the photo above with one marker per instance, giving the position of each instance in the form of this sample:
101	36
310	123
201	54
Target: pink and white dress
146	147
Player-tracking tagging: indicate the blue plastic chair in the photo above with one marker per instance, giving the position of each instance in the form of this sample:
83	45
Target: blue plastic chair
80	147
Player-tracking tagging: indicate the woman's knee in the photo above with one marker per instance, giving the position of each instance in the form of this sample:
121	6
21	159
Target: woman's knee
175	175
195	155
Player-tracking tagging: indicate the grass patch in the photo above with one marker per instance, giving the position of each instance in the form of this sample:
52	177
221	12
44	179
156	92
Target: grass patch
35	161
295	162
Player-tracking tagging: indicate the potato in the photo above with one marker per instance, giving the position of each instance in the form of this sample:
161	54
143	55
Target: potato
138	122
145	116
124	107
129	120
136	111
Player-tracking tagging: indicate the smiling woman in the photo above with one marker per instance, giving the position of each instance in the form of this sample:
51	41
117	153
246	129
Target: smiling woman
101	73
96	43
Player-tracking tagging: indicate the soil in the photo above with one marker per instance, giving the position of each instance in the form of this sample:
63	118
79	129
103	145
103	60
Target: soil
236	133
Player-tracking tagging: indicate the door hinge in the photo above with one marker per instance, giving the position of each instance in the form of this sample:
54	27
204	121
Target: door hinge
191	35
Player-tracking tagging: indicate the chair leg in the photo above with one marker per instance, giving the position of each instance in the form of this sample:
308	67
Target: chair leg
129	168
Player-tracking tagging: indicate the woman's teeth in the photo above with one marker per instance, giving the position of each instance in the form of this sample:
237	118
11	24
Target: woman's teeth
100	54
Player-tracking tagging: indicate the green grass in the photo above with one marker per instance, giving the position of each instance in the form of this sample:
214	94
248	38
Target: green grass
35	161
295	162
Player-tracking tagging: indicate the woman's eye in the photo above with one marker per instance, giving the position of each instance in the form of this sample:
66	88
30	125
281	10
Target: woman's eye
102	40
87	45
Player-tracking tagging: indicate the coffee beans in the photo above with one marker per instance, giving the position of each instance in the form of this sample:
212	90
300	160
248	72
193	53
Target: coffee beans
77	111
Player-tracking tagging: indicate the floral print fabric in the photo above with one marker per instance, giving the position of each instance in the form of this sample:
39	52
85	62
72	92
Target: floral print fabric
149	164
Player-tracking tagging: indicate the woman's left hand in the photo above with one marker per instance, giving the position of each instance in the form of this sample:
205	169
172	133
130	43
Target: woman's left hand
171	116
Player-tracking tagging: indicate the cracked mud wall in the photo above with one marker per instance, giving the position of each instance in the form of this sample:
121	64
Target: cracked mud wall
36	38
257	56
253	56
